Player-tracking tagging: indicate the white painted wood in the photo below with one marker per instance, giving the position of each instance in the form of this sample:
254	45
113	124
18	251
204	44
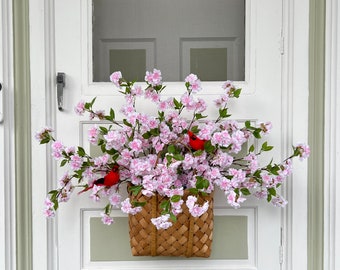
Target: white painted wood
7	147
294	126
262	85
43	101
263	63
249	264
332	135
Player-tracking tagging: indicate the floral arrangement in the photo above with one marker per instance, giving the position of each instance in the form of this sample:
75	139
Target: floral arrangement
168	153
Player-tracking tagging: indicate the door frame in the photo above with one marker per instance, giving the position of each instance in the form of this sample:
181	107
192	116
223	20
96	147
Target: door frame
331	208
295	37
295	123
8	245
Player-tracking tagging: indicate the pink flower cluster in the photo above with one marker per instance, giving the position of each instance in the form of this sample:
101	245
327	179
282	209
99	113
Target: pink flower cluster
156	154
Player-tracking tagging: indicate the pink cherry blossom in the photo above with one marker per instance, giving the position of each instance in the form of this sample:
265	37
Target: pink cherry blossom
304	150
76	162
235	200
57	149
80	108
115	77
42	134
154	78
49	213
162	222
266	127
93	134
128	209
115	199
194	209
106	219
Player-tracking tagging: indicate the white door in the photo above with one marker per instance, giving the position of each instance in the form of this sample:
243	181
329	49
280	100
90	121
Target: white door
247	238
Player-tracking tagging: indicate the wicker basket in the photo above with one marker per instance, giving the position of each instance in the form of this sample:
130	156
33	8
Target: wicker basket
189	236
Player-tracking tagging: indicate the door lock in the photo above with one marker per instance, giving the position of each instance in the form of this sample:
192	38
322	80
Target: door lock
60	89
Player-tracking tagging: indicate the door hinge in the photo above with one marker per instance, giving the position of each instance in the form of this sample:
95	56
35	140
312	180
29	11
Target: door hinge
281	248
1	104
282	45
281	255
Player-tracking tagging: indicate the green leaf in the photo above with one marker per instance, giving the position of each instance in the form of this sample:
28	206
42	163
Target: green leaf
52	192
198	153
63	162
78	174
103	129
273	169
178	104
155	131
195	129
257	133
161	116
107	209
111	151
81	152
202	183
56	205
112	114
257	173
247	124
147	135
208	147
245	191
165	205
171	149
175	198
266	147
193	191
251	148
45	140
178	157
135	189
200	116
237	92
169	158
223	112
173	217
136	203
272	191
269	197
93	100
204	193
126	123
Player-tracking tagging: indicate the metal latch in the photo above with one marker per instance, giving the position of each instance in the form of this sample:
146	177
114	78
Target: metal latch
60	89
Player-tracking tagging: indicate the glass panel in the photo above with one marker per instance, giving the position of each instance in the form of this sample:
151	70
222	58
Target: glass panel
178	37
209	64
111	243
132	63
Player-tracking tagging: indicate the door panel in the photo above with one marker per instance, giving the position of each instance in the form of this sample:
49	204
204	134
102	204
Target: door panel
77	222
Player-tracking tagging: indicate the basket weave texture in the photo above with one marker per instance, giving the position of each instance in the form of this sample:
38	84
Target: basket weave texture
189	236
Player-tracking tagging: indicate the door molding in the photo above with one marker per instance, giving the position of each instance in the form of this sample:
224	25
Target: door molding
295	129
8	245
316	134
43	102
332	135
22	133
